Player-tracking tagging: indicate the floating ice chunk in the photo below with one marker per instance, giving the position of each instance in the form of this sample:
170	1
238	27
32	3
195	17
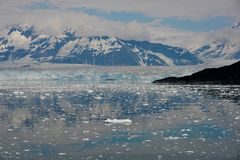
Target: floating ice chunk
159	157
148	140
61	154
172	138
26	150
145	104
85	139
98	98
86	131
85	122
89	91
154	133
196	121
237	118
190	152
184	135
73	138
124	121
18	92
42	97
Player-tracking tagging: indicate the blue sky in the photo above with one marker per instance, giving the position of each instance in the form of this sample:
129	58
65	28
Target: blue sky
41	5
203	25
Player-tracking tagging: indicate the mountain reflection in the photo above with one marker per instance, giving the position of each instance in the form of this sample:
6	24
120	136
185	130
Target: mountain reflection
168	122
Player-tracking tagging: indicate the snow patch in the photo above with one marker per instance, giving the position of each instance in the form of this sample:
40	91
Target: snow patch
167	60
221	49
3	48
104	45
84	41
66	49
25	60
236	25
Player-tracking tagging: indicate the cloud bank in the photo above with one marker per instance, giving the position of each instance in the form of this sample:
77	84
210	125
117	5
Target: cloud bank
135	19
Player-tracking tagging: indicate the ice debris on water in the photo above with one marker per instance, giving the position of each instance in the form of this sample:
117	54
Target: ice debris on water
118	121
62	154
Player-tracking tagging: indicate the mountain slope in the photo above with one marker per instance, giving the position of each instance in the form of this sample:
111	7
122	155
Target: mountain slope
219	49
223	75
236	25
226	48
22	43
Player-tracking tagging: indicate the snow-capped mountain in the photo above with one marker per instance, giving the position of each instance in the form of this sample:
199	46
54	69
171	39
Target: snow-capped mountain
236	25
25	30
23	44
223	49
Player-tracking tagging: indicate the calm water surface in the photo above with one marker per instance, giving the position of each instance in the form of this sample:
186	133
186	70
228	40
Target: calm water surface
54	120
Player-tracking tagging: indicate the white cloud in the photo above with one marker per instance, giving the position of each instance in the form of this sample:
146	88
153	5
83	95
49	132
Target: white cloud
55	21
161	8
135	30
18	40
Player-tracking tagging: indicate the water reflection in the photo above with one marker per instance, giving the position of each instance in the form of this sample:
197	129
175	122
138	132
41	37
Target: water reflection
169	122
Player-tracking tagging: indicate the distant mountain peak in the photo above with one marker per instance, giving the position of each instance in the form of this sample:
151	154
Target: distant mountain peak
69	32
92	50
236	25
25	29
221	41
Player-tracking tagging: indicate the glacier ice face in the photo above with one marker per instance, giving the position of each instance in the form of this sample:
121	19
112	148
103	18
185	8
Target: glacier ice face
47	75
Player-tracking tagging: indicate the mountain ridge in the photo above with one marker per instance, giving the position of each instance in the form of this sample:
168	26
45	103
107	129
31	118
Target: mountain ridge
218	49
92	50
224	48
23	44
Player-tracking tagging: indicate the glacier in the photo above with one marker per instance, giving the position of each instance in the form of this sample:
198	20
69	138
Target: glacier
49	76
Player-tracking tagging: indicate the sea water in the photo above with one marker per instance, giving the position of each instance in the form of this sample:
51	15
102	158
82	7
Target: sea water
60	113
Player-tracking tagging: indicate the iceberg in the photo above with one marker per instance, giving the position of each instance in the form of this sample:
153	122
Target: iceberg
123	121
